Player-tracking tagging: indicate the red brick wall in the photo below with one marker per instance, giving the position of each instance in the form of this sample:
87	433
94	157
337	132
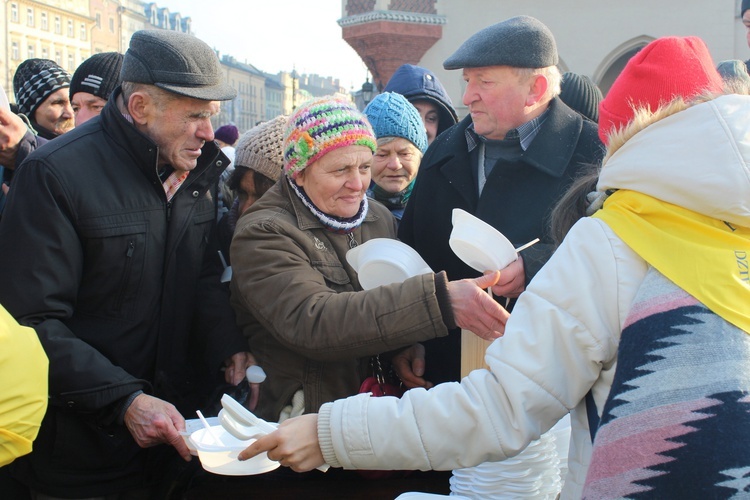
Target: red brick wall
422	6
385	45
354	7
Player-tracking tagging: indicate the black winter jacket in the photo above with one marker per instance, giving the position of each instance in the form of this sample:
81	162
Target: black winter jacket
516	201
116	282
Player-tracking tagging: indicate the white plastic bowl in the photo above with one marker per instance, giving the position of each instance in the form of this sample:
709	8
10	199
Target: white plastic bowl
193	425
478	244
221	458
382	261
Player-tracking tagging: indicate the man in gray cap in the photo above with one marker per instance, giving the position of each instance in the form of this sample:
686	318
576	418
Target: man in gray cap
105	255
506	163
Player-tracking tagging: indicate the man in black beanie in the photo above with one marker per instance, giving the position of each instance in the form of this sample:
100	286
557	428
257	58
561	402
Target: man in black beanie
41	88
92	83
105	255
507	162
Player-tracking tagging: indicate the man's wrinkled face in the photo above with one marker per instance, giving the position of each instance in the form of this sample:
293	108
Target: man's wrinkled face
180	127
496	99
86	106
55	113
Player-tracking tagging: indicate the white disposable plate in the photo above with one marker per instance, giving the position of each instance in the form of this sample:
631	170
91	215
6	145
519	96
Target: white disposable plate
478	244
221	458
382	261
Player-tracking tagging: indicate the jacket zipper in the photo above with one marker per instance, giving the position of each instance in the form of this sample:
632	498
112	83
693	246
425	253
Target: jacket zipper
125	273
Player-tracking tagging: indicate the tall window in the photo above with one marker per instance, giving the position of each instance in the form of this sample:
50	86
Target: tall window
45	53
71	63
30	16
58	57
71	33
98	20
15	53
30	51
83	32
44	22
14	12
112	24
58	25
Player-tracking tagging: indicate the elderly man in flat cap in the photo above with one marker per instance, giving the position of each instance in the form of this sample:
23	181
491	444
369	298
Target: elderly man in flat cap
506	163
105	257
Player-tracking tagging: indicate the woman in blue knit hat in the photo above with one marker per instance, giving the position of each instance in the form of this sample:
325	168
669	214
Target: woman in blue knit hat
401	140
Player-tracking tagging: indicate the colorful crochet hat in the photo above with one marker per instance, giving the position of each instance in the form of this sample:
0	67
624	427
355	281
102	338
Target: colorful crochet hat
35	80
391	115
318	127
260	148
664	69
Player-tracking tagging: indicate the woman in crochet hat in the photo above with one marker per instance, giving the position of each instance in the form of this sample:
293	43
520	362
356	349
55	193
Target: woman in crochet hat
259	161
309	322
401	140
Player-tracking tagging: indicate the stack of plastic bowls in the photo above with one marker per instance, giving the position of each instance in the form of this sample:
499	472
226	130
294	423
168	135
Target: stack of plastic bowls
533	473
561	431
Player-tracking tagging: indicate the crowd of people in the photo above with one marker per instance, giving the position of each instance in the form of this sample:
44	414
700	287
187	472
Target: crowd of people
148	261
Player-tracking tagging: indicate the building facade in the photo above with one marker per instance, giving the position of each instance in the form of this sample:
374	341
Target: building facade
69	31
248	108
594	37
59	30
105	32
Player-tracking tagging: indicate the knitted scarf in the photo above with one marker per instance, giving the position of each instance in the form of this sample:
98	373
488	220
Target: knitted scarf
674	423
706	257
392	201
340	225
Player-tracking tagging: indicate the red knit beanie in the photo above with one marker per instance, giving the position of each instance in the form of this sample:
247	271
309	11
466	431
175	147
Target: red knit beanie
664	69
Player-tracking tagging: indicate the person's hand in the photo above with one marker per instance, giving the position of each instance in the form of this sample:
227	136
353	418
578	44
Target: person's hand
5	188
294	444
512	280
474	309
235	368
409	366
12	130
152	421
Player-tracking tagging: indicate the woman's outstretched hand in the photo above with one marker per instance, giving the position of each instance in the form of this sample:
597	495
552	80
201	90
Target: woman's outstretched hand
294	444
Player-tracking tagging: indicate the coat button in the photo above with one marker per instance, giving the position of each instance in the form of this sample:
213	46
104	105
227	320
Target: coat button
71	404
195	194
219	163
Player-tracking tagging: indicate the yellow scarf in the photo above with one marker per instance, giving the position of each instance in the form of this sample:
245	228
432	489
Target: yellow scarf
706	257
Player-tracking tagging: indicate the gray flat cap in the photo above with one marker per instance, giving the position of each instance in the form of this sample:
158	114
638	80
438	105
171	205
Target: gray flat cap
520	42
176	62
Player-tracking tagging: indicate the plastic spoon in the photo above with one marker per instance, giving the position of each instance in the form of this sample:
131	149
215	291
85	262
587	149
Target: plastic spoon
208	427
527	245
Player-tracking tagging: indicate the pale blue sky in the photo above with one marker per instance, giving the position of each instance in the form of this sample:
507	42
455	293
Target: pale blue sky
276	35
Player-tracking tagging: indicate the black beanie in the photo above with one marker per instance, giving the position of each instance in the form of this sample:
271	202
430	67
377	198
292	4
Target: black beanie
745	6
98	75
581	93
35	80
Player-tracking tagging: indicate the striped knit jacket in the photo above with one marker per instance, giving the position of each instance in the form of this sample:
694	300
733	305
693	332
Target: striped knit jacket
676	423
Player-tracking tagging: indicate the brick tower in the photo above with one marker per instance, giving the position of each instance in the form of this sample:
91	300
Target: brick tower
389	33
